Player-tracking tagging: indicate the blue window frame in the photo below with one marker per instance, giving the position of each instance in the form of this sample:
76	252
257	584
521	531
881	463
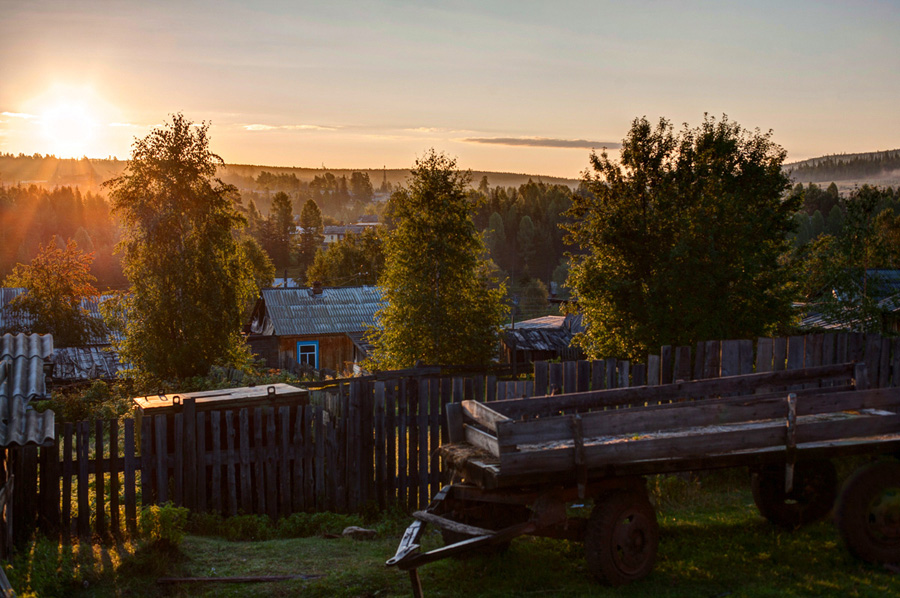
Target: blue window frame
308	353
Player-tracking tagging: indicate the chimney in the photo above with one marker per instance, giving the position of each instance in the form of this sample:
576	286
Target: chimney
317	288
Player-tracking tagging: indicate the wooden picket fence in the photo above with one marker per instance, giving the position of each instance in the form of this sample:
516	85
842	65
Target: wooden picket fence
365	443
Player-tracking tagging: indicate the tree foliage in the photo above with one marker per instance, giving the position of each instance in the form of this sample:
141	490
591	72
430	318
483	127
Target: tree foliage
440	305
351	261
55	282
682	239
310	237
190	277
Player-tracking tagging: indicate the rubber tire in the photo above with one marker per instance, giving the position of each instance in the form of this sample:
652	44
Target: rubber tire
622	538
499	517
811	500
870	533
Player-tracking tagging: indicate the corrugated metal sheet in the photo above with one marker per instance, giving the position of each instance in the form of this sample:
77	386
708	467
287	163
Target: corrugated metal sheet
87	363
288	312
22	358
19	320
547	333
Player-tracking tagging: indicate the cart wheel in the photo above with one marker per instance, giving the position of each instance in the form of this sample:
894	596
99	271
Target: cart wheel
868	512
492	516
815	488
621	537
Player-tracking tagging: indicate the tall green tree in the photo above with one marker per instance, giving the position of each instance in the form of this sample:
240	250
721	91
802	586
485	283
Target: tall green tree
352	261
310	237
55	282
682	238
281	219
440	305
190	276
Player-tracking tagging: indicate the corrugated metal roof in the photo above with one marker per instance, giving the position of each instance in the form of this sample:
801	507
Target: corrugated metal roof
22	358
285	312
547	333
20	320
87	363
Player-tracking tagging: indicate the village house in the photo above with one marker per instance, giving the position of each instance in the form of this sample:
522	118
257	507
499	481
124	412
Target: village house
321	328
542	339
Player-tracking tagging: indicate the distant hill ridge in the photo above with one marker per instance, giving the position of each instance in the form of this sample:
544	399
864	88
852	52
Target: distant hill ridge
91	173
882	167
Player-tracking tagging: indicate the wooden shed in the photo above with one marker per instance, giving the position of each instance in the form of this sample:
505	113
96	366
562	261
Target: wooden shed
319	327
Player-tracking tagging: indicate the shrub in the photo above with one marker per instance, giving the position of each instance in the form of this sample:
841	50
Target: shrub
163	525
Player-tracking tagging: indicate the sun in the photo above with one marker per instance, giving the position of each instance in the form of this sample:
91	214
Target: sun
69	127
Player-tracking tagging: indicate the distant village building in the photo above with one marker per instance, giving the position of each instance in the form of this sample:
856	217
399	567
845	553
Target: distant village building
542	339
321	328
884	287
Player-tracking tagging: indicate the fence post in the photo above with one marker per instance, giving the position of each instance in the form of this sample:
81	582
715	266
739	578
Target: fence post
189	414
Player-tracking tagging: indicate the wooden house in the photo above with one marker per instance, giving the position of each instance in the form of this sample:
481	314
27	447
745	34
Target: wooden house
321	328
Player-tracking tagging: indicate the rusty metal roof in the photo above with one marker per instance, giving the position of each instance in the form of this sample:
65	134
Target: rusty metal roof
87	363
336	310
22	359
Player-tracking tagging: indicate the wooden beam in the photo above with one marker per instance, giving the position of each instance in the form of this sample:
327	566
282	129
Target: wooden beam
484	415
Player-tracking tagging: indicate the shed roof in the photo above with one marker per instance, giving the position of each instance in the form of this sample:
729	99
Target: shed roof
336	310
547	333
22	359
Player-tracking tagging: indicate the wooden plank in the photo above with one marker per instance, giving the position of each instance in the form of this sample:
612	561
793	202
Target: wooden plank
297	503
434	436
884	367
828	348
598	375
202	477
745	356
403	437
666	361
67	471
413	463
796	352
482	414
779	354
259	461
699	359
114	463
482	440
161	453
856	346
230	461
764	347
318	416
284	461
809	351
178	458
189	414
638	374
895	362
840	348
873	357
390	430
583	376
82	449
424	452
730	359
246	473
148	463
624	374
490	388
556	378
380	457
570	377
698	388
309	488
271	448
129	475
50	478
612	379
682	369
712	359
479	383
28	484
677	416
215	430
541	377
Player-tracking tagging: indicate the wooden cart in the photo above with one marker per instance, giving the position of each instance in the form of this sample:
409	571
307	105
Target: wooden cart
516	464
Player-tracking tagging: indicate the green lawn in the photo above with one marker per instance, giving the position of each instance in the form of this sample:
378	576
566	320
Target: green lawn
712	544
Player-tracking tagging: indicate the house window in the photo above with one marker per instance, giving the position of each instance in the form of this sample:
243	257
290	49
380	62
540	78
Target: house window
308	353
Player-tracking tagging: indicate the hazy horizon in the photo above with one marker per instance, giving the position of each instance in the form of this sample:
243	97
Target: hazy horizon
518	87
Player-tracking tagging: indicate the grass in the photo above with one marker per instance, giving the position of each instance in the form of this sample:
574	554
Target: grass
713	543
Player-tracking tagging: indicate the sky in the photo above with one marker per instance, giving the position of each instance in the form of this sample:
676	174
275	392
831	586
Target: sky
511	86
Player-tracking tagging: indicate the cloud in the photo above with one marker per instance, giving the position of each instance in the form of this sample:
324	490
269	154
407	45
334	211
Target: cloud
18	115
544	142
125	125
258	127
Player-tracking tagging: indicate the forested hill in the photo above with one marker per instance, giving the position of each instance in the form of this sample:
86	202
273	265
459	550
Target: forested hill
88	174
881	168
